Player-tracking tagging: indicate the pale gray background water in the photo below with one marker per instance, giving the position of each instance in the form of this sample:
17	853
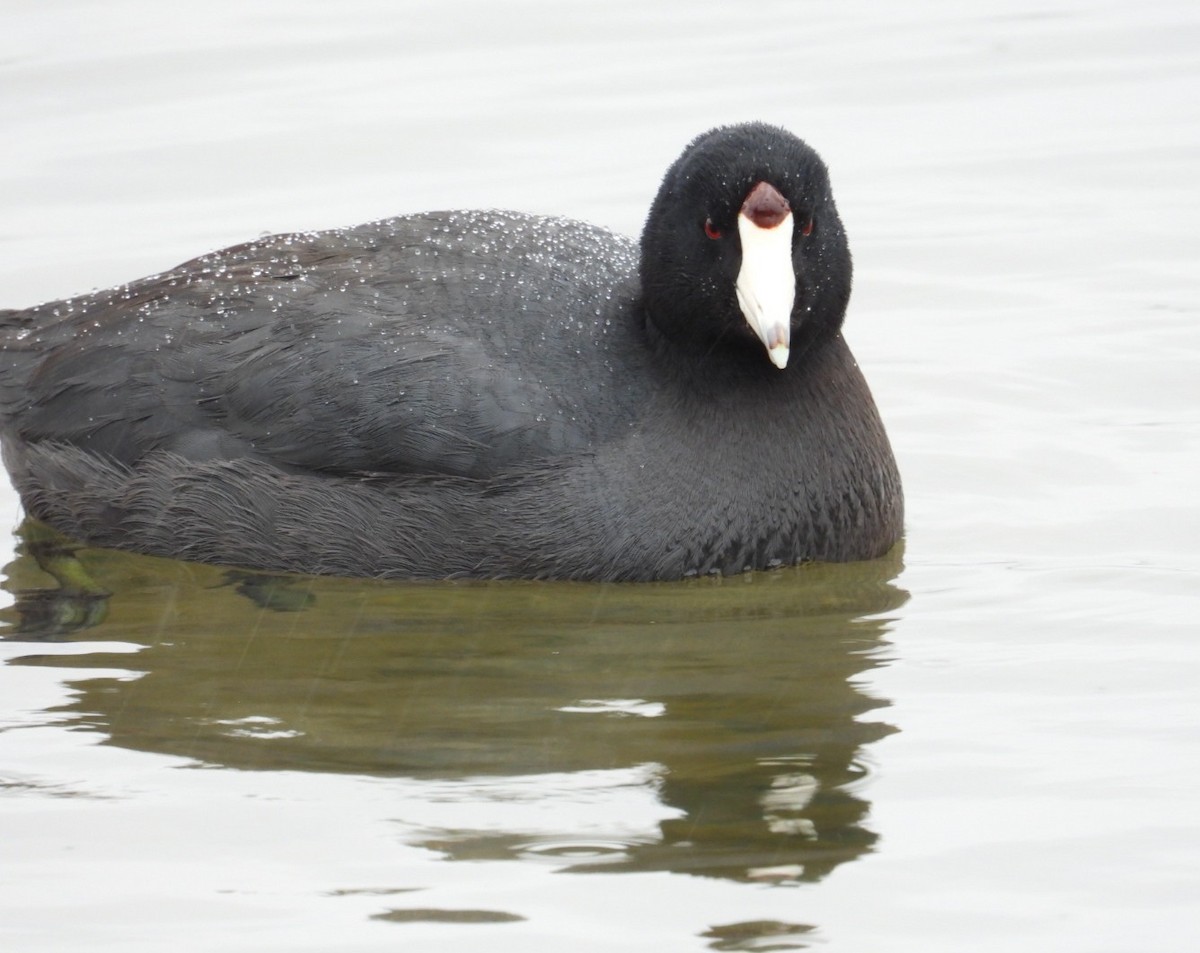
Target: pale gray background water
1019	183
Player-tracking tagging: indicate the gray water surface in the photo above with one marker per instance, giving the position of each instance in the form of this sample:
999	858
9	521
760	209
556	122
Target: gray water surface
987	741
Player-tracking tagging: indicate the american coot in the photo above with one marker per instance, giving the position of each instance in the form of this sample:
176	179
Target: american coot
478	393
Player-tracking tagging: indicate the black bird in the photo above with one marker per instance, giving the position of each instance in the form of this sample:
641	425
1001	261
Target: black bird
476	393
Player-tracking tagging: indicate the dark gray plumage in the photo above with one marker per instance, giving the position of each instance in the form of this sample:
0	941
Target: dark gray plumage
467	393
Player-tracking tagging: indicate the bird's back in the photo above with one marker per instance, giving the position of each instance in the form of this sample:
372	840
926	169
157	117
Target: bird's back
454	343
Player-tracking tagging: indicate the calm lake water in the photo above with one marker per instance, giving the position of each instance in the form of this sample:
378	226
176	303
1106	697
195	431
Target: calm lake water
986	742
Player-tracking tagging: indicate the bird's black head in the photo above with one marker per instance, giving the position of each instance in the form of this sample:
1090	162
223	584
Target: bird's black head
744	258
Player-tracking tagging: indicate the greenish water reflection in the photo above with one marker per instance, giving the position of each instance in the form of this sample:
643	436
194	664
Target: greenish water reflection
740	692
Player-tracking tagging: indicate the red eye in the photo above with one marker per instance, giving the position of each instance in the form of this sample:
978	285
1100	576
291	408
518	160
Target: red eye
711	230
807	228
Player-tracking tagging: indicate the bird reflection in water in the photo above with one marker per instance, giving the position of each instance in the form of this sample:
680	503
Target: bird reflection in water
736	703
